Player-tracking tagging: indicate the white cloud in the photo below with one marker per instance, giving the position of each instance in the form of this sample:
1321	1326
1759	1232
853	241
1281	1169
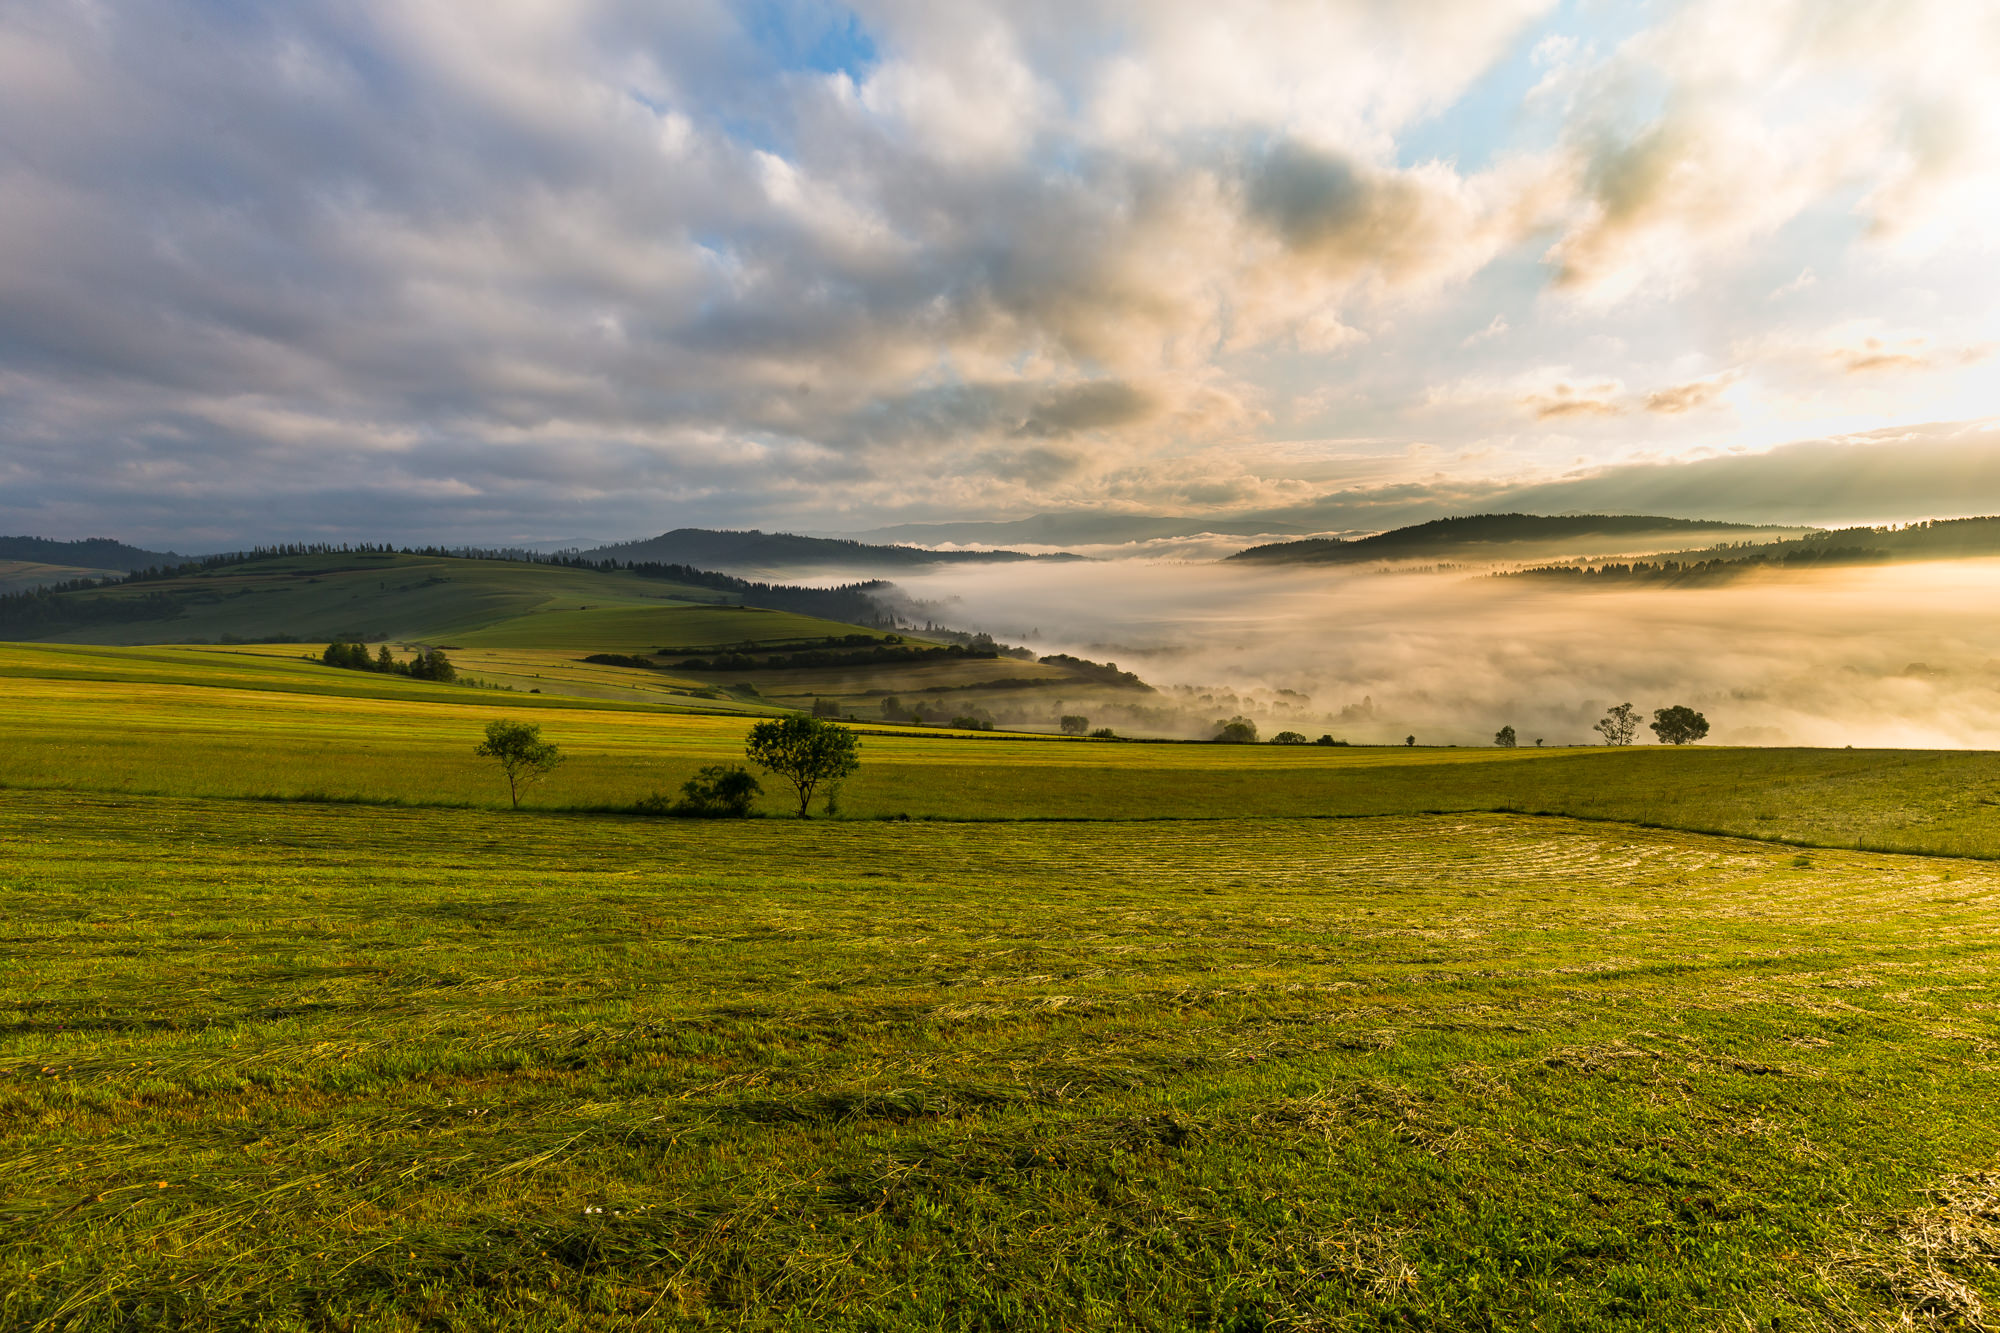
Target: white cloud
630	256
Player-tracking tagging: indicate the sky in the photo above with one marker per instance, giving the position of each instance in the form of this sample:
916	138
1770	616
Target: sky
553	270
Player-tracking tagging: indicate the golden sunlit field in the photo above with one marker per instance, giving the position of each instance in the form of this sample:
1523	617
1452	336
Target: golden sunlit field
308	1030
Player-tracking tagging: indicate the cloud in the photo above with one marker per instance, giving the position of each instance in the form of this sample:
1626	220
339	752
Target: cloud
1678	398
1874	356
661	263
1087	407
1723	124
1566	401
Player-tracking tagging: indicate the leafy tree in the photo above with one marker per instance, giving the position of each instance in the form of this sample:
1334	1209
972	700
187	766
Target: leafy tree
805	751
1679	725
522	754
1619	726
1409	740
1075	724
972	722
826	707
718	791
432	664
348	653
385	661
1504	738
892	708
1238	730
1289	738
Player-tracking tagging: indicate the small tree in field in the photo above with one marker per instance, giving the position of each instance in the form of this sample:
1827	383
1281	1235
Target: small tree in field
1505	738
1619	726
1289	738
1679	725
522	754
1075	724
1409	740
807	752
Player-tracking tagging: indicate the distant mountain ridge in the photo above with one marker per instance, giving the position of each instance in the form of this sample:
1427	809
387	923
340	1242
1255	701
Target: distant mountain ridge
709	548
1471	534
90	553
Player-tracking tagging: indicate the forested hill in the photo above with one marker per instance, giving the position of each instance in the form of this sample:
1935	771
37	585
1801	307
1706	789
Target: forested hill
1938	539
306	593
1480	535
707	548
91	553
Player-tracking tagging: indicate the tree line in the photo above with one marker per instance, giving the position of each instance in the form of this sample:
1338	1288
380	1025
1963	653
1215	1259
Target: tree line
353	655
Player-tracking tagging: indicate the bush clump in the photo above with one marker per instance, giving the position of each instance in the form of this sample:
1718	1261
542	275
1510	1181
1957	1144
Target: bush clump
717	791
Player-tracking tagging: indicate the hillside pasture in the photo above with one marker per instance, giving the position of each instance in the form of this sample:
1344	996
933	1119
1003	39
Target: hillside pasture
656	629
228	723
367	594
297	1066
21	575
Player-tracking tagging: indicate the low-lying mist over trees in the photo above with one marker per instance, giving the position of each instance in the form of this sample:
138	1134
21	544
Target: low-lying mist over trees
1890	655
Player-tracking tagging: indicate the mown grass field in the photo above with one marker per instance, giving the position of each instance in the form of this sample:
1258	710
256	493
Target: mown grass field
308	1066
228	723
1107	1035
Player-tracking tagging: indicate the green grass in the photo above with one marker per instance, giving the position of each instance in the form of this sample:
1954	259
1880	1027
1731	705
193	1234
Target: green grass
403	596
203	723
301	1067
21	575
654	629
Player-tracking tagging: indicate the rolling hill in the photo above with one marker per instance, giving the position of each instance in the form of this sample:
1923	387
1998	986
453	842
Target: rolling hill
1941	539
708	548
38	562
1504	537
645	634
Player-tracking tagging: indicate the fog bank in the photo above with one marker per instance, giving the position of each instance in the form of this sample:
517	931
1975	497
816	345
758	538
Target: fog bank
1889	656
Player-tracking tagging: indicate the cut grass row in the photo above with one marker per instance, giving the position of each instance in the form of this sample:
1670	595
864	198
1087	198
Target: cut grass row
194	723
311	1066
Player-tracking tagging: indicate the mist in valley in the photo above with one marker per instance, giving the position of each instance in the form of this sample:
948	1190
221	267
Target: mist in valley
1903	655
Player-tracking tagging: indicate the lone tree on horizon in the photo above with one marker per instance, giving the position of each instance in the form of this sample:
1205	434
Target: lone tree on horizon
1238	730
1679	725
1619	726
522	753
805	751
1505	737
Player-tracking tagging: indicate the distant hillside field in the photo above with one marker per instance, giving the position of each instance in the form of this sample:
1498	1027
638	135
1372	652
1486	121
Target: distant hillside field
1499	536
92	553
531	625
37	562
710	549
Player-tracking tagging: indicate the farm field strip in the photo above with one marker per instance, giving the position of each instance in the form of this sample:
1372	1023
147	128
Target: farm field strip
315	1064
227	722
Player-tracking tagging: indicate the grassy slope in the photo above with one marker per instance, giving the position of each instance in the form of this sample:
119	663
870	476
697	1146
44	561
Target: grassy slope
192	722
21	575
319	1066
649	629
402	596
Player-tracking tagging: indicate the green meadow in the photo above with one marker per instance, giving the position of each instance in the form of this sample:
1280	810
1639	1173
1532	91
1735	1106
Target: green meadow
300	1028
261	723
